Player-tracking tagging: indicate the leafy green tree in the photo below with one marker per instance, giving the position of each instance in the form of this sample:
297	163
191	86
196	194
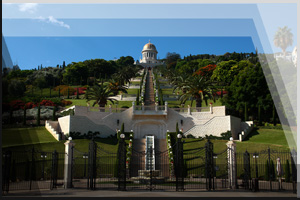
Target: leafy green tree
40	83
248	86
283	38
16	88
197	88
101	93
116	87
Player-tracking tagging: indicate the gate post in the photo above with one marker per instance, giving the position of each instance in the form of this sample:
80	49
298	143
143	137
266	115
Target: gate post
6	171
92	165
232	170
68	163
53	182
246	169
209	164
294	169
122	163
179	164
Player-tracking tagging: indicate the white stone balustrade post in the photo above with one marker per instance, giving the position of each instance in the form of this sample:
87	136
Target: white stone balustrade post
166	106
232	173
109	108
156	106
133	106
189	109
211	108
68	163
143	107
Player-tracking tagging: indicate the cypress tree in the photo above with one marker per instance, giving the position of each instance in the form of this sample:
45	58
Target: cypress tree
53	115
64	65
68	97
50	92
77	93
246	112
24	117
59	92
138	97
259	115
267	174
272	170
287	170
38	115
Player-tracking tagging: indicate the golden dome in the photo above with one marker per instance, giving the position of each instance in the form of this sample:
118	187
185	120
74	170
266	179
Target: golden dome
149	46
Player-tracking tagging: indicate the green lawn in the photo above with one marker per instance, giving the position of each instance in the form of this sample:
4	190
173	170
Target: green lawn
39	138
273	137
23	136
259	140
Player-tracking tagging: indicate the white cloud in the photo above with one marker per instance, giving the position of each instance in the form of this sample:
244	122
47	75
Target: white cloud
52	20
28	7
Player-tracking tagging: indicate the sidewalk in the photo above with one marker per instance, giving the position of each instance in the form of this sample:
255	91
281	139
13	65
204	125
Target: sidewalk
109	193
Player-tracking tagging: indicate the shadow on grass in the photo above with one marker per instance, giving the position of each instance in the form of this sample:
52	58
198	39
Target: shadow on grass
195	140
253	133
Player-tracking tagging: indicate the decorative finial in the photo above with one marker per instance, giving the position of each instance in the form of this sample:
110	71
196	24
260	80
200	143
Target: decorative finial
149	41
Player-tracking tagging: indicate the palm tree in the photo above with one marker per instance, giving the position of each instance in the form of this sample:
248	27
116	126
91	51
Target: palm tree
283	38
115	87
198	88
101	93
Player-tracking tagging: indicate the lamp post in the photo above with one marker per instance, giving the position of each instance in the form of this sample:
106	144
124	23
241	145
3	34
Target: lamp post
43	155
255	156
85	156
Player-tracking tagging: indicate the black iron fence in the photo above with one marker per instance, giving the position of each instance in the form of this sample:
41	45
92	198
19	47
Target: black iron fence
267	170
33	169
192	169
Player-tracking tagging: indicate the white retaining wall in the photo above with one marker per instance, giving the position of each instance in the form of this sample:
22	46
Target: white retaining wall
196	123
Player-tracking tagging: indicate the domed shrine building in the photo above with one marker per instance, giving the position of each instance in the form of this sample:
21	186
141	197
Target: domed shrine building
149	58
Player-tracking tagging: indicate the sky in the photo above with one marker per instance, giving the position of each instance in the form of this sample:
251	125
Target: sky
49	34
50	51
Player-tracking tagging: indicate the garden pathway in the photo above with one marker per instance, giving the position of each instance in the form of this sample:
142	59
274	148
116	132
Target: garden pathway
149	95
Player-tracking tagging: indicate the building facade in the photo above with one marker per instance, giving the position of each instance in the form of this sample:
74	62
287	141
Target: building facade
149	56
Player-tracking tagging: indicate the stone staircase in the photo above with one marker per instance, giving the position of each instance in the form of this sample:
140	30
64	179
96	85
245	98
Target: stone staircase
162	157
137	157
149	95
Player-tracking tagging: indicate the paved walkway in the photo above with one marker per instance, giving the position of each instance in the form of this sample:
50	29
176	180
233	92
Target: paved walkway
149	96
109	193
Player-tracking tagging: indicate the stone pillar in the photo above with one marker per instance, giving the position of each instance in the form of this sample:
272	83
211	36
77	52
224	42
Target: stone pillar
109	108
68	163
156	107
121	96
166	106
133	106
232	173
211	108
143	108
189	109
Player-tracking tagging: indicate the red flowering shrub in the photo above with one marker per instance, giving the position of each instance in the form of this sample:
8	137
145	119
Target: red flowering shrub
219	93
64	90
30	105
206	71
17	104
47	103
65	103
81	90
